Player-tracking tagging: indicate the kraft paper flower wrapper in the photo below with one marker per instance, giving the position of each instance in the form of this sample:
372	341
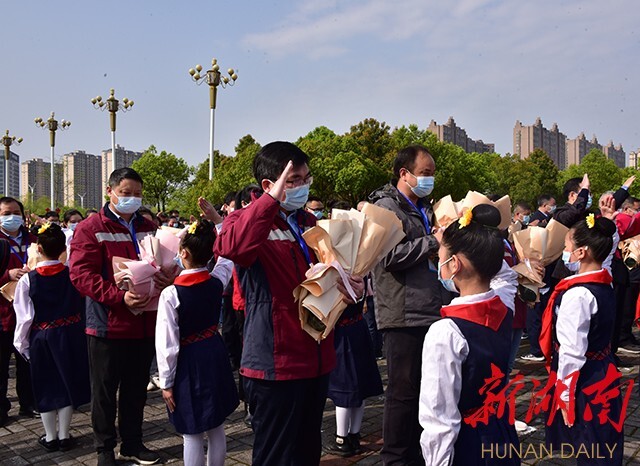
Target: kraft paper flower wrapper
8	290
544	245
630	247
473	198
351	242
446	211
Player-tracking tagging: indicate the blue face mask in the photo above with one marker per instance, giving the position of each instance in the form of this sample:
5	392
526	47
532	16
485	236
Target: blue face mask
295	198
447	283
572	266
526	219
589	202
72	226
11	222
128	205
318	214
178	260
424	187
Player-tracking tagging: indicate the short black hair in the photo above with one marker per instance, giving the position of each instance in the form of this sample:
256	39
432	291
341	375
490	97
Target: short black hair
8	200
70	213
246	193
479	241
230	196
126	173
598	239
91	211
521	206
51	213
571	186
53	241
544	199
145	210
343	205
406	158
271	160
200	243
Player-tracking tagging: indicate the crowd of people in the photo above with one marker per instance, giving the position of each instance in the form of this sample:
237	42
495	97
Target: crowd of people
444	308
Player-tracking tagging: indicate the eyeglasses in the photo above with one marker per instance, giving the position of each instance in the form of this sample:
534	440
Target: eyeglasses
307	180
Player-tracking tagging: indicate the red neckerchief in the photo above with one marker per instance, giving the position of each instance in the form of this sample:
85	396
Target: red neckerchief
48	270
546	335
488	313
190	279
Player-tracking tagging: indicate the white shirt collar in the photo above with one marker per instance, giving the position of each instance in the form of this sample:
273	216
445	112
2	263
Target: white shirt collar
47	263
190	271
473	298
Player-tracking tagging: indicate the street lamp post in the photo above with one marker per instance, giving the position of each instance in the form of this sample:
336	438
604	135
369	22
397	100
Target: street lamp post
112	105
31	189
52	125
214	79
81	196
7	142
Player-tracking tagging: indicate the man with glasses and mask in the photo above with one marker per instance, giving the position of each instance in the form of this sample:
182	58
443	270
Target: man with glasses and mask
408	300
286	371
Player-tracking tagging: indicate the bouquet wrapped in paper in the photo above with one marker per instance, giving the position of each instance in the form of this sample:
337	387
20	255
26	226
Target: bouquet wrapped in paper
446	211
8	290
544	245
156	252
503	205
630	250
351	242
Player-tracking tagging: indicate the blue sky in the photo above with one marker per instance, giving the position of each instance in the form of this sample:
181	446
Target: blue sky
306	63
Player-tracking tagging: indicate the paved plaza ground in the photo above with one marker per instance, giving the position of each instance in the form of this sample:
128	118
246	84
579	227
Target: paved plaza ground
18	439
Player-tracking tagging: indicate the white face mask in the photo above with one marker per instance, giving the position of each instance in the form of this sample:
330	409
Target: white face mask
128	204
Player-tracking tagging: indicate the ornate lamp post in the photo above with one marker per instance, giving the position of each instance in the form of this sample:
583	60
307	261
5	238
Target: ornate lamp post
52	125
7	142
214	79
112	105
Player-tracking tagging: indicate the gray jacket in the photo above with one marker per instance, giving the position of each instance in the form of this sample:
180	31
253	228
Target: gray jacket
407	290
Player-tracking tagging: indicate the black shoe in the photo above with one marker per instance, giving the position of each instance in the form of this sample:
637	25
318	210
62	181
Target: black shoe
29	412
140	455
67	444
53	445
341	446
355	443
248	417
629	348
107	458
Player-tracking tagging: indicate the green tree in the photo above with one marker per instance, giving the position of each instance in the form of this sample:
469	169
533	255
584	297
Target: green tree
163	175
604	174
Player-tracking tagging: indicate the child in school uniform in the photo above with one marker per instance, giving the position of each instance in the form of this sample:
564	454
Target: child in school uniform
50	334
193	364
576	339
459	350
355	378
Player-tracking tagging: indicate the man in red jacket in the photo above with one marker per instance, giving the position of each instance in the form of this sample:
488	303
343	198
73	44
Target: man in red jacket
120	342
13	231
286	371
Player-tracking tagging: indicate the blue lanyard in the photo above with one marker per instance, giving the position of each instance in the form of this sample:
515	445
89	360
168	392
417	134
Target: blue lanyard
508	245
22	256
425	220
297	232
135	238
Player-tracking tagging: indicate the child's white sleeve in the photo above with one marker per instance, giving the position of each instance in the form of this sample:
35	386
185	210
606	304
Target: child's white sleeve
167	336
444	351
223	270
25	313
505	285
572	331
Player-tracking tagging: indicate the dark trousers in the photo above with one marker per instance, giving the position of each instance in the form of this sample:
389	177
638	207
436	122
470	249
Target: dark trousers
534	323
370	318
287	418
231	331
626	315
23	375
118	365
400	426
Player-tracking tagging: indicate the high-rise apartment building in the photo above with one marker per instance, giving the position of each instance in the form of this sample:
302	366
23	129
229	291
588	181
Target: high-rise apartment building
124	158
633	158
83	180
578	147
526	139
14	173
452	133
35	177
615	153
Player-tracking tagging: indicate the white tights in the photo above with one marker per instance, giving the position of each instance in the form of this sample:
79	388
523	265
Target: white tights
61	431
349	420
216	448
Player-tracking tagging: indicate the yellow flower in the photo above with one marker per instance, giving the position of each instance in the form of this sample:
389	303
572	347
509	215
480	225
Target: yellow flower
466	218
591	221
192	228
44	228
